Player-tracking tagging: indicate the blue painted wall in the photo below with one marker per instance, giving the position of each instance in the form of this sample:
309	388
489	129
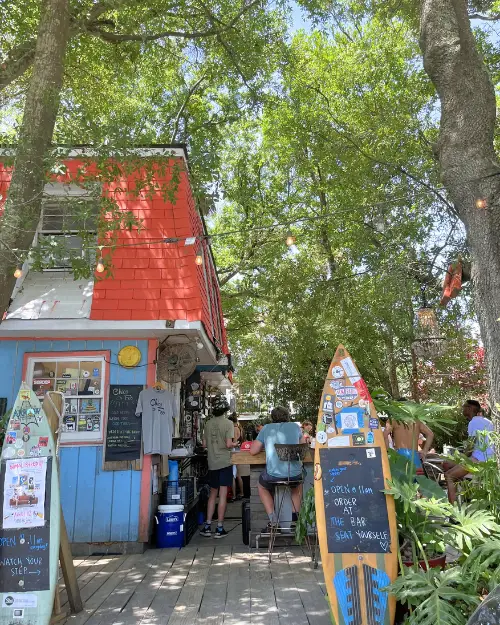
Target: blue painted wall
98	506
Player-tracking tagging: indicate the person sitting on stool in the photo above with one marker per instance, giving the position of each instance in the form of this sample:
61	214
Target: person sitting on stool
280	431
478	429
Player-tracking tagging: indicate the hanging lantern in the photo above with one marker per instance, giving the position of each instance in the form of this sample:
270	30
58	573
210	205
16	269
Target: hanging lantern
428	343
427	321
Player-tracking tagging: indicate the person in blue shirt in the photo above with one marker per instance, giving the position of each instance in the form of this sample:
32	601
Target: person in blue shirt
483	450
281	431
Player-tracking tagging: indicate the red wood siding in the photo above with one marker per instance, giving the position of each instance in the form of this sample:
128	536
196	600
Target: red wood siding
155	280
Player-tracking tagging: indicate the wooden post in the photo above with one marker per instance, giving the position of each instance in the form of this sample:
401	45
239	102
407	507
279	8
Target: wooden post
65	556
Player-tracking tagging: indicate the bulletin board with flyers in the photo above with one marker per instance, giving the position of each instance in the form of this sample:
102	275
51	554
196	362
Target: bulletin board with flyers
82	380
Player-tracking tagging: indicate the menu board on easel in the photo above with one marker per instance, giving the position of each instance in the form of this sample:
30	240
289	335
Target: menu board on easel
123	429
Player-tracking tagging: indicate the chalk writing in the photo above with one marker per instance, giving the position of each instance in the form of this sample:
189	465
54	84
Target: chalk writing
355	506
124	429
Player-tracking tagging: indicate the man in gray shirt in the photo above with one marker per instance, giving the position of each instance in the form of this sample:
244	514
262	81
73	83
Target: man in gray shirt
218	438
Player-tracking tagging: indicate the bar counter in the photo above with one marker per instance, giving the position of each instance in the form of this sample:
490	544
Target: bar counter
245	457
258	517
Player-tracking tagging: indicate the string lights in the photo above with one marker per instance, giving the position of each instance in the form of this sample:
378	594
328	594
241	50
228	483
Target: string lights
100	265
290	240
19	271
198	259
481	203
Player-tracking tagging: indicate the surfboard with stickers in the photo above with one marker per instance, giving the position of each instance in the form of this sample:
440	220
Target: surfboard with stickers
30	531
356	520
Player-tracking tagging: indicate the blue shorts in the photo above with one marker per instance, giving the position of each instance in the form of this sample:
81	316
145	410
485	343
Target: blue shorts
411	454
269	481
220	477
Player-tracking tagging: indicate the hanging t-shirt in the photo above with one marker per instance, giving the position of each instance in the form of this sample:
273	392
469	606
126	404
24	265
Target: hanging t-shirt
158	409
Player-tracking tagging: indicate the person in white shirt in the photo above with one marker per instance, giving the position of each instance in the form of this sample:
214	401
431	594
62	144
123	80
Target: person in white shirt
478	429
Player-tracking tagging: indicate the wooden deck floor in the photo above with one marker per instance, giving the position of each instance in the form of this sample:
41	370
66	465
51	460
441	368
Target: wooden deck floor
210	582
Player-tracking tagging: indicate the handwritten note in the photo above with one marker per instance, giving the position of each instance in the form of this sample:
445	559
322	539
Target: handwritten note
355	506
124	429
24	559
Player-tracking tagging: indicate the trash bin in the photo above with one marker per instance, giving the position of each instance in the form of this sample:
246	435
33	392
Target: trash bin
170	530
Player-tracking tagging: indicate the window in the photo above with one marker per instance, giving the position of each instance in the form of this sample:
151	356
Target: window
82	381
67	211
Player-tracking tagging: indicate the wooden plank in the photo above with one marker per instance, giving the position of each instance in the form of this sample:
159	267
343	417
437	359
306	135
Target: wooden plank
238	602
85	483
263	607
167	594
130	579
69	574
187	606
145	592
212	606
135	497
290	608
103	502
312	594
88	575
103	586
121	505
68	464
245	457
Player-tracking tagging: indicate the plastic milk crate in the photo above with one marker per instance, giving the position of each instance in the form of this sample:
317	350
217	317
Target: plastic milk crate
180	492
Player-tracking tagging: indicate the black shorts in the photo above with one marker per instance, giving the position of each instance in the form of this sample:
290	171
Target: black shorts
269	481
221	477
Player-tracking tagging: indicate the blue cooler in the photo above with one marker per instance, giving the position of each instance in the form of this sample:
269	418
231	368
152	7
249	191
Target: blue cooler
170	530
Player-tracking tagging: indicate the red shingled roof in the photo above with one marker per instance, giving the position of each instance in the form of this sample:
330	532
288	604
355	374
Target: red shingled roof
154	280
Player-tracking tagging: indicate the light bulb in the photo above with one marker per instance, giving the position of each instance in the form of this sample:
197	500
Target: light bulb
290	240
481	202
100	266
19	271
199	259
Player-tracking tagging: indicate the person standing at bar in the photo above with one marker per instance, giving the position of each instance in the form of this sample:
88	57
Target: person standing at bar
218	438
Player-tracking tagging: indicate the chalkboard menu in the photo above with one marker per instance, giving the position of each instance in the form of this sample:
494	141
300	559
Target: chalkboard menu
124	429
355	506
25	552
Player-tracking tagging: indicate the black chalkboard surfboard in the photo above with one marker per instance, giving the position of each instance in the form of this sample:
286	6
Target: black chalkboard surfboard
356	520
31	515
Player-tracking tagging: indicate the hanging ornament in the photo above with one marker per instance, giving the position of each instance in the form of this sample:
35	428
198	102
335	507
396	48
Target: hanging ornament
428	343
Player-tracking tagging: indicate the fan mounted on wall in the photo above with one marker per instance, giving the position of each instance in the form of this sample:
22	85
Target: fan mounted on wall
176	363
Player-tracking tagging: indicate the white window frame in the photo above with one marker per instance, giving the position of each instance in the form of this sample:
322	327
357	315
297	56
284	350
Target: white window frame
77	438
56	193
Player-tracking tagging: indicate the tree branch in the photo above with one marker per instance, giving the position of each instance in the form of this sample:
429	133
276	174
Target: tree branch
191	91
21	57
17	62
345	133
487	18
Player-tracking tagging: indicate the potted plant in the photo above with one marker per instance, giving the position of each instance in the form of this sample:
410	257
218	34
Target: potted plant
420	521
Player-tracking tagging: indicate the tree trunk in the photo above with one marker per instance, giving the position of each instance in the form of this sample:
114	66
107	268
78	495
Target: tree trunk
469	166
415	395
392	366
23	206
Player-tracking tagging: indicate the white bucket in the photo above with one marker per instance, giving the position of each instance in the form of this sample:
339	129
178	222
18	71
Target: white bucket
170	508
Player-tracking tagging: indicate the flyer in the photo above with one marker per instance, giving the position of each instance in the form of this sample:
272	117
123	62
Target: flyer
24	493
